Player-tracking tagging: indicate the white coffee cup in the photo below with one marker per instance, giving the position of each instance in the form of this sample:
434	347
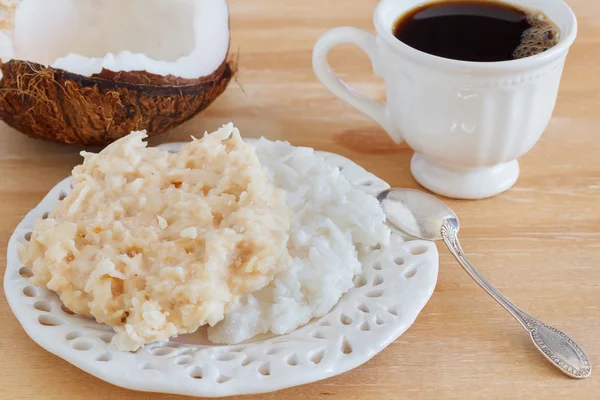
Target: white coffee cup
467	121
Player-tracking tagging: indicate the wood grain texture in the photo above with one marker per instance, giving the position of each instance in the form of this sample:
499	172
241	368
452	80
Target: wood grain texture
539	243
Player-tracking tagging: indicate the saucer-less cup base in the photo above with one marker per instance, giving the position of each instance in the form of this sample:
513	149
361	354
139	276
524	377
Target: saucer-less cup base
464	182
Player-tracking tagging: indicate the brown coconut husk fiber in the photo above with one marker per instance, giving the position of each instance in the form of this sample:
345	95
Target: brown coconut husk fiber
52	104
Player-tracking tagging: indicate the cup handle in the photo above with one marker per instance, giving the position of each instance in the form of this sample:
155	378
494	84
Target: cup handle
367	42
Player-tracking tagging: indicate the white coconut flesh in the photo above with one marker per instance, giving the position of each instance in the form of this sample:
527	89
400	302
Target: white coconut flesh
183	38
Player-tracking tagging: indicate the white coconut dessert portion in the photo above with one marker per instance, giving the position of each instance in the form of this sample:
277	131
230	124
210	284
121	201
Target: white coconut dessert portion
91	71
332	223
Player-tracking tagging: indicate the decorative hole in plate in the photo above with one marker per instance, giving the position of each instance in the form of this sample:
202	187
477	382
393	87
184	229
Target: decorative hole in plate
196	373
30	291
246	361
237	350
346	346
365	326
105	357
183	360
418	250
292	360
265	369
187	350
50	320
359	281
25	272
325	323
106	338
398	260
27	236
316	356
271	351
43	305
409	273
66	310
377	266
73	335
82	345
225	356
99	327
379	320
45	215
345	320
62	196
363	307
378	280
375	293
394	311
317	335
223	378
161	351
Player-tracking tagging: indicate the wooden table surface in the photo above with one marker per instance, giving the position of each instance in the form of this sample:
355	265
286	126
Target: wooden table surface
539	243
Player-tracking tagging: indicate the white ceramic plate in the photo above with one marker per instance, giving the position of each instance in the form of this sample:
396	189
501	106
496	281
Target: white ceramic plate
394	286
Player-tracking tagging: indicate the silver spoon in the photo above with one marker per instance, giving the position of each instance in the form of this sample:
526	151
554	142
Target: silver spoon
425	217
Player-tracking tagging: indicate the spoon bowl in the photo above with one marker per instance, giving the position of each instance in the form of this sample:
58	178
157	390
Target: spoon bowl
416	213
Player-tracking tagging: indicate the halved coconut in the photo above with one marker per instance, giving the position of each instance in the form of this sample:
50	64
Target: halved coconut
91	71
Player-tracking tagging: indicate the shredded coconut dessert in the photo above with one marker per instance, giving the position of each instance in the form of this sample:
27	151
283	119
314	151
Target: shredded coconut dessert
156	244
332	221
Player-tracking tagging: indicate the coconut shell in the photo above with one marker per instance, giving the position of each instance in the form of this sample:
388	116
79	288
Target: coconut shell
52	104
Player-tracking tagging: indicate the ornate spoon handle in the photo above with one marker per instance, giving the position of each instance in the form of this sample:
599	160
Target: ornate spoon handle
555	345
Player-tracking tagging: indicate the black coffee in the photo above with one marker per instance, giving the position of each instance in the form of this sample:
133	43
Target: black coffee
483	31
